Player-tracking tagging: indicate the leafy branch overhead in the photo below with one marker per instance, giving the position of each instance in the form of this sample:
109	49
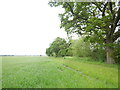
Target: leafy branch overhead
90	18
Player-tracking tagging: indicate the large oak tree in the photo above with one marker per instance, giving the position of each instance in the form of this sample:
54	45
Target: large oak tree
98	21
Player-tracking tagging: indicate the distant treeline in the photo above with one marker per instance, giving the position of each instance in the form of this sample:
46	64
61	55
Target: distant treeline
7	55
21	55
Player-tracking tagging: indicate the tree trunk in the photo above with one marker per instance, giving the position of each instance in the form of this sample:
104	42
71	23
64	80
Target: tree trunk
109	52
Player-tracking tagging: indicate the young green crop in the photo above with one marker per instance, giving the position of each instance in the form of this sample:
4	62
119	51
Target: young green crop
47	72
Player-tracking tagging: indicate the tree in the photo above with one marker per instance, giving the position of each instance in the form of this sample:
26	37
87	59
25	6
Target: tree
96	20
81	48
48	52
57	48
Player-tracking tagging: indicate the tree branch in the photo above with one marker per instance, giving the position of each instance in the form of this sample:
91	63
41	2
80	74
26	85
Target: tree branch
71	10
117	19
104	8
110	4
96	4
116	35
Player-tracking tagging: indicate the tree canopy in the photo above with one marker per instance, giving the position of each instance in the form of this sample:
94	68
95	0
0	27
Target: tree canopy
57	48
98	21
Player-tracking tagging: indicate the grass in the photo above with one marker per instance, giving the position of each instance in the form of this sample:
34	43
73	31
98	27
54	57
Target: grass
48	72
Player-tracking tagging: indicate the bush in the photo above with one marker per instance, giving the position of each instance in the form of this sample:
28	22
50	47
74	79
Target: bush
117	52
98	54
80	48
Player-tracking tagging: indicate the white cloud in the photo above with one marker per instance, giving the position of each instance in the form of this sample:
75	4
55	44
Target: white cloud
28	26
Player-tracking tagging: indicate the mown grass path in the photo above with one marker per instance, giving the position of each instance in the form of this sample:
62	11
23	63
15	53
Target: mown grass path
45	72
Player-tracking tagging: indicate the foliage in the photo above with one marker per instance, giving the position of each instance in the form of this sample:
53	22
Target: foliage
117	51
78	47
69	51
81	48
97	21
48	51
90	18
98	53
57	48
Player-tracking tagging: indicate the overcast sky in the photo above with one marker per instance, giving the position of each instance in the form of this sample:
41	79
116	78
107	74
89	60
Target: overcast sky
27	27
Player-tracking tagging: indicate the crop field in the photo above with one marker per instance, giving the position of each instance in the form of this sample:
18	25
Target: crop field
49	72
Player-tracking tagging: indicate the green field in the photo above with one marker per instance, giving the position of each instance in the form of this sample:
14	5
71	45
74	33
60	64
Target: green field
48	72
